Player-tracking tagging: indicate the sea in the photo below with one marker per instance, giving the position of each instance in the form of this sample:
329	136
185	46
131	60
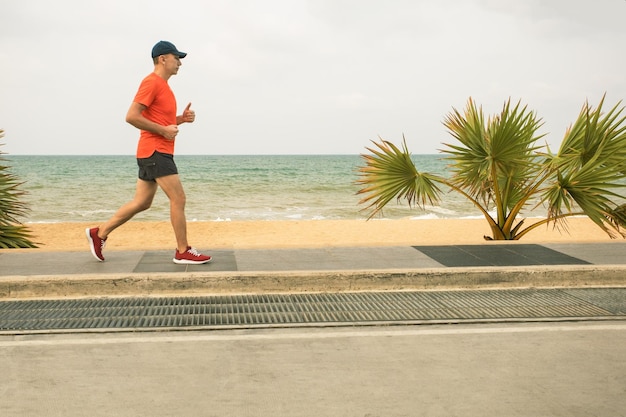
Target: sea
218	188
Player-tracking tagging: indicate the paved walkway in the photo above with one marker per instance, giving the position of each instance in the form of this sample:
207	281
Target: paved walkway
494	370
49	274
573	366
321	259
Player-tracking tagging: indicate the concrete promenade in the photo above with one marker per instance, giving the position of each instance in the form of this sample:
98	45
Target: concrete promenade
571	366
573	369
28	274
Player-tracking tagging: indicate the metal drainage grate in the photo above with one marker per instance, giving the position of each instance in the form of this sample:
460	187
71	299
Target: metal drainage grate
299	309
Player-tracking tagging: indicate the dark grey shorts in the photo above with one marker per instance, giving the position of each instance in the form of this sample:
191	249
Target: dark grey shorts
157	165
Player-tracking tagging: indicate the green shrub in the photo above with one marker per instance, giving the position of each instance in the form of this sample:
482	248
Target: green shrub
13	234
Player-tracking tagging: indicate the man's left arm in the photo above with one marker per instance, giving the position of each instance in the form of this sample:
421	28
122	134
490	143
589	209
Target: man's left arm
188	116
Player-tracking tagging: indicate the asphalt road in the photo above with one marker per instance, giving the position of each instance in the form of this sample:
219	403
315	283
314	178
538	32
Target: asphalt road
525	369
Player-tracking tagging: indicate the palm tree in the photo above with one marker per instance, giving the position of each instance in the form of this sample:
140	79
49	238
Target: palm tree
498	165
13	234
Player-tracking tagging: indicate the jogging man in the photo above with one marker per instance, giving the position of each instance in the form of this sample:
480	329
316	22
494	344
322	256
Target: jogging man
153	112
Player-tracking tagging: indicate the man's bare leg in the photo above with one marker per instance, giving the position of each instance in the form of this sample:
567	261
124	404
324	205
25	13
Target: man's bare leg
173	188
144	195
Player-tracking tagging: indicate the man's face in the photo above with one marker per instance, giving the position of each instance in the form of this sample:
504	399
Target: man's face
172	63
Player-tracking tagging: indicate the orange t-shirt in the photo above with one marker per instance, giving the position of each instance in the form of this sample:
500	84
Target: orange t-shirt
155	93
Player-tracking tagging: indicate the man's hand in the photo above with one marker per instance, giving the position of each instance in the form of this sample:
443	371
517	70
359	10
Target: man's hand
188	115
170	132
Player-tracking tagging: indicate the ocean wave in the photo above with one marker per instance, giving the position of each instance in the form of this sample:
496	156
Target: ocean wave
219	188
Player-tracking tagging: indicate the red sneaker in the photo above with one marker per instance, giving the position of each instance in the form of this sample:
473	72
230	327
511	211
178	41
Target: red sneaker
191	256
95	243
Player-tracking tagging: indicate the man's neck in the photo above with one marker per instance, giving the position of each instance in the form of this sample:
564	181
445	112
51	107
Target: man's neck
160	71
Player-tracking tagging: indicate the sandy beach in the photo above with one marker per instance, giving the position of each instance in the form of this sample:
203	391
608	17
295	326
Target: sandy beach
136	235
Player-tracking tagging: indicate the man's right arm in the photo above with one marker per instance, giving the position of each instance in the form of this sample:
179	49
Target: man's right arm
136	118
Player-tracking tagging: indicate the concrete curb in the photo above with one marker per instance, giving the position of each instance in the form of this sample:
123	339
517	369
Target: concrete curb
155	284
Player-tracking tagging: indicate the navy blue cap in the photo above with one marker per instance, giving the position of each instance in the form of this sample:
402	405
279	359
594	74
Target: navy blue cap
164	48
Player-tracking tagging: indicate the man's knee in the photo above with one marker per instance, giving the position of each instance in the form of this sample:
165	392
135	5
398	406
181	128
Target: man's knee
143	205
178	199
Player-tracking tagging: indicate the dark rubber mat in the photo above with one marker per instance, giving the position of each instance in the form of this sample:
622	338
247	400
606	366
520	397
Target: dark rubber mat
346	309
497	255
161	261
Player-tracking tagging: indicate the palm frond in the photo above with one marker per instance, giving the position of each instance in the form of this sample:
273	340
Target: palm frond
389	173
589	168
13	234
496	162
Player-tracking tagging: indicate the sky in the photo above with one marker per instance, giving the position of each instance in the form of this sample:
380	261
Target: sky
298	76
